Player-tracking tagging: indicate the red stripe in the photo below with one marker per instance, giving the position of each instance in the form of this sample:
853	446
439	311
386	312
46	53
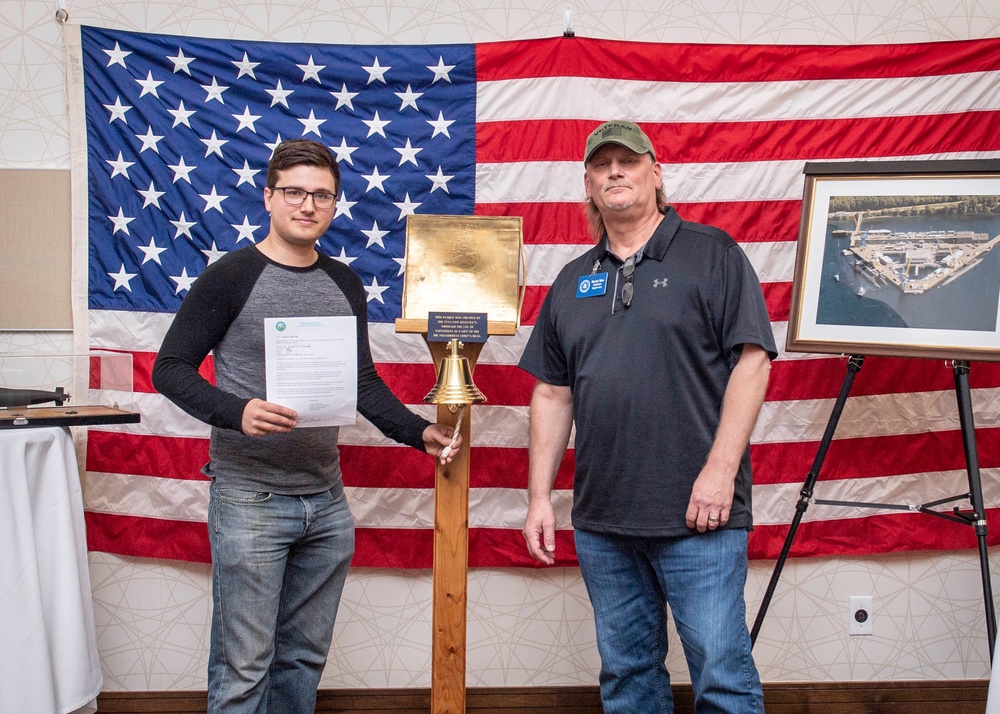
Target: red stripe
147	537
507	467
496	467
183	458
393	548
374	547
822	378
488	548
565	223
872	457
904	532
171	457
362	466
499	547
778	140
790	380
94	373
505	384
793	379
582	57
505	548
894	533
778	297
142	367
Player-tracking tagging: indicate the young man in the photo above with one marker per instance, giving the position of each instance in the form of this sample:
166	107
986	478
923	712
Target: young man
281	531
663	370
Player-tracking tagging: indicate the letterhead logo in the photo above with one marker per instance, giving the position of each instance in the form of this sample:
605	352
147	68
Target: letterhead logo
280	326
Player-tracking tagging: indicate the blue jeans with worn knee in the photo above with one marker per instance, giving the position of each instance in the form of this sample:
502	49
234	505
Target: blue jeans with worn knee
279	564
631	580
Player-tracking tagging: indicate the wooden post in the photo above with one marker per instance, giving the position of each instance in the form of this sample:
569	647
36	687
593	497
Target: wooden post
457	266
451	557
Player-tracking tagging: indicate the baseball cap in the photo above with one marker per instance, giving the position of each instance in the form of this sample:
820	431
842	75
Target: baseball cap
623	133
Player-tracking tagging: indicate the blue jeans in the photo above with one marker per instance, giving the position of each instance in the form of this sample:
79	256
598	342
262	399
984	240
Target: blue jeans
631	581
278	569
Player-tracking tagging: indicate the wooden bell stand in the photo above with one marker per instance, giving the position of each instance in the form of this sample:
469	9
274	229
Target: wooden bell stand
458	264
451	538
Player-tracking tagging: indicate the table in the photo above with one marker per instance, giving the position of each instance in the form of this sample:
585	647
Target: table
48	645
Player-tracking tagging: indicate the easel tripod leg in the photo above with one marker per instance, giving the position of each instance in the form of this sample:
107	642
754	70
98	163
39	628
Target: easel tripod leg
805	495
978	519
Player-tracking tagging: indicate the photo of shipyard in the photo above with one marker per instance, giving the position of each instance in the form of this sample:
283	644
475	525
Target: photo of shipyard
912	261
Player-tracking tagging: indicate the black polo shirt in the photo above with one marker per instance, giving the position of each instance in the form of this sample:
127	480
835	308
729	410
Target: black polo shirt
648	380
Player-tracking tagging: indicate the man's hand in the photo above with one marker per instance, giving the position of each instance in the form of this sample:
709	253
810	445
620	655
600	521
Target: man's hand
711	499
712	494
549	425
438	441
261	418
540	530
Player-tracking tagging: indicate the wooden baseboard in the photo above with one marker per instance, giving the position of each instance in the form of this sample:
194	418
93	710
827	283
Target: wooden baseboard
951	697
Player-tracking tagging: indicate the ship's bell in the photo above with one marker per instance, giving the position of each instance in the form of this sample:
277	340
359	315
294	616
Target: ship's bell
454	382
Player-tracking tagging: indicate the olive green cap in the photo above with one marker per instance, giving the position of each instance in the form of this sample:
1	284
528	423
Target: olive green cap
623	133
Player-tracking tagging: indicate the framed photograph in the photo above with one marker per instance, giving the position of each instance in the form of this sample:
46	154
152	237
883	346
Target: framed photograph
899	258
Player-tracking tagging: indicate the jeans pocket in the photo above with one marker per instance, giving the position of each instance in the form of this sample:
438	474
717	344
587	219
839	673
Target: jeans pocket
241	496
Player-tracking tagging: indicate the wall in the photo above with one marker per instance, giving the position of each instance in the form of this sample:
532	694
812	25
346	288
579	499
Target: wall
525	628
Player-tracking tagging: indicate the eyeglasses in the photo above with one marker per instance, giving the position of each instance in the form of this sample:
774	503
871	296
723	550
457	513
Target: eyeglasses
628	269
297	196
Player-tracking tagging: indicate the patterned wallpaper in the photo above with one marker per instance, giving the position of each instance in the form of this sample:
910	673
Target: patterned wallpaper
525	628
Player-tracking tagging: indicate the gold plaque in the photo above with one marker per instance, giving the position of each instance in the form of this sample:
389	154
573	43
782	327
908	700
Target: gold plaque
463	264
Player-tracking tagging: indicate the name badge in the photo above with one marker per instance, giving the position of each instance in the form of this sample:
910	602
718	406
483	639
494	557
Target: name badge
592	285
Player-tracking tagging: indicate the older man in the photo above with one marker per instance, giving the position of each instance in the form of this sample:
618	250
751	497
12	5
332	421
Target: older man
657	343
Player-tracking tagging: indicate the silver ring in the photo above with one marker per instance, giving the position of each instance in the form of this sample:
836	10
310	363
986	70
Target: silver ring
713	519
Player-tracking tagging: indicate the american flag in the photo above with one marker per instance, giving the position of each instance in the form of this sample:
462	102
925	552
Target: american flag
179	131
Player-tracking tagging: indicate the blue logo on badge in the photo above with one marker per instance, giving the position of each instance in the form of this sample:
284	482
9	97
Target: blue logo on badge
592	285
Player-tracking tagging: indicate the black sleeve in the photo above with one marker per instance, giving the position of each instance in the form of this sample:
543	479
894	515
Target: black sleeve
213	302
745	319
376	402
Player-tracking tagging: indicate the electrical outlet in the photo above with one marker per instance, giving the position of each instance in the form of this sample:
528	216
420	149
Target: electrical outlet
860	615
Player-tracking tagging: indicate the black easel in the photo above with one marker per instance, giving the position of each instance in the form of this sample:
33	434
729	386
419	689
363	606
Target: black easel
976	519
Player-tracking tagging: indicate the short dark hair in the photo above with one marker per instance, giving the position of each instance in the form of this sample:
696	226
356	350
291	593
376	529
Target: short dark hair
301	152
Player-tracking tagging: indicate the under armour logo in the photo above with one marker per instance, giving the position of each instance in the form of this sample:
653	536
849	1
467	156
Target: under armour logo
657	283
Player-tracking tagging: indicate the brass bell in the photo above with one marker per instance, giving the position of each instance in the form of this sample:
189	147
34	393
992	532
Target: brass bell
454	382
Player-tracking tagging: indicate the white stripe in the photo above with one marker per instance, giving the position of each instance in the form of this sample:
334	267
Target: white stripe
507	507
392	507
544	261
779	421
388	346
774	504
507	349
561	181
147	496
877	415
541	98
133	331
774	261
128	333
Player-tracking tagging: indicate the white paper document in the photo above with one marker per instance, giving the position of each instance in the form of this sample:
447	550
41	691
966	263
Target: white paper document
311	365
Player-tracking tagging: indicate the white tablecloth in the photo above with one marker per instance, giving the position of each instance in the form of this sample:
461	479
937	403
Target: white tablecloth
48	646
